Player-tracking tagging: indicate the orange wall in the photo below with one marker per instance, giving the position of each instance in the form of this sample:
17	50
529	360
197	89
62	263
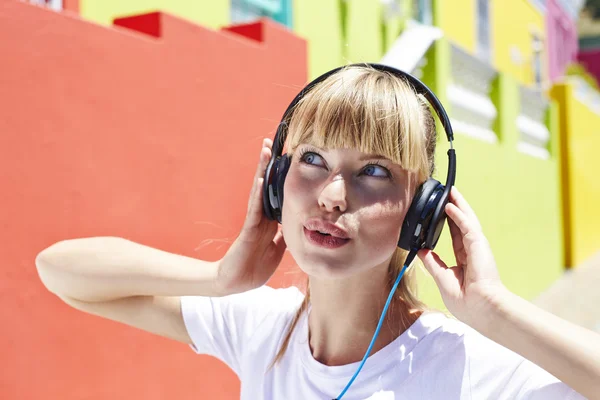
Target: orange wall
108	131
71	5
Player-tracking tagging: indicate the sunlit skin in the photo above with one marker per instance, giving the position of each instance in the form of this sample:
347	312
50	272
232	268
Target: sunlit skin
368	196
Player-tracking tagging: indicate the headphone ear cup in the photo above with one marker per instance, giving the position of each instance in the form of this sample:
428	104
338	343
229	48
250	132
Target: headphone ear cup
268	204
437	220
273	183
415	228
283	166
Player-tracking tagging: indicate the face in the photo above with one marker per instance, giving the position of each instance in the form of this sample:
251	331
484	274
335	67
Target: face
359	199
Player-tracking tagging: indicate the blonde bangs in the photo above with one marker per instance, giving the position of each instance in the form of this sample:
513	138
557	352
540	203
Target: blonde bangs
368	110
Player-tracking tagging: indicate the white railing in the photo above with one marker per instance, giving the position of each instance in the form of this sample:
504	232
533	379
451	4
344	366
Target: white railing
473	112
56	5
541	5
392	9
534	135
408	51
585	93
572	7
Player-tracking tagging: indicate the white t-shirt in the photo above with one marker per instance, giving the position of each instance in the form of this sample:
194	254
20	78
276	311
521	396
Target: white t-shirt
436	358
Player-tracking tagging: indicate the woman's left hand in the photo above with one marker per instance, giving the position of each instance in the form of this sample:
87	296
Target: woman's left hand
469	288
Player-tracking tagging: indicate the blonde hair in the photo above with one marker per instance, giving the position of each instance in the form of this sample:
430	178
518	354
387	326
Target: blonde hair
376	112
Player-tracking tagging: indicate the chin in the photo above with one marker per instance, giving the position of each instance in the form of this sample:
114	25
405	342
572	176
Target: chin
327	272
325	266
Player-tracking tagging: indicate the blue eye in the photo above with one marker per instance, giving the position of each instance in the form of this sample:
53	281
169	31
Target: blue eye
371	170
309	157
374	170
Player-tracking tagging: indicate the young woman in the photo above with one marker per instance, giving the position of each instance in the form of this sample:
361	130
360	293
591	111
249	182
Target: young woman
361	142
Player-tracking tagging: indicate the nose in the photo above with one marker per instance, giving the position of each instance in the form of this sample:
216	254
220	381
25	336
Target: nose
333	196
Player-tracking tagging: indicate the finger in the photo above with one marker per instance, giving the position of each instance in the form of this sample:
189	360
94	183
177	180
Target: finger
279	242
458	199
454	230
265	155
459	218
255	202
275	252
433	263
255	209
263	161
447	279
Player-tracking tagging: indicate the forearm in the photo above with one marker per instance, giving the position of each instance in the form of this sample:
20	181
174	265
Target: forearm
567	351
107	268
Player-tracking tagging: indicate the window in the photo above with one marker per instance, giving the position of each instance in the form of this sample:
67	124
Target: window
251	10
422	11
484	50
540	5
392	8
53	4
572	7
537	49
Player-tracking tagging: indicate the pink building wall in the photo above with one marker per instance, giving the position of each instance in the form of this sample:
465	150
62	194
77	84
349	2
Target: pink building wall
563	44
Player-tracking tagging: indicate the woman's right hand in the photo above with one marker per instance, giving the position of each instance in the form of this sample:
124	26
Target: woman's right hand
256	253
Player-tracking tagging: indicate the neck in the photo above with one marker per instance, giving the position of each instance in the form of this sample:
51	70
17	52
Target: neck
345	313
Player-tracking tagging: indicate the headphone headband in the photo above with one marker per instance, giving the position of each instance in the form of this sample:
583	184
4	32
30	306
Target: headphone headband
419	87
425	218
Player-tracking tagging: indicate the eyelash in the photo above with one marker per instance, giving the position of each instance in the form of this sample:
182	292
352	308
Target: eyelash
377	163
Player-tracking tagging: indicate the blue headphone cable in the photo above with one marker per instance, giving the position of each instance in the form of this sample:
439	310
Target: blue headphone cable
409	260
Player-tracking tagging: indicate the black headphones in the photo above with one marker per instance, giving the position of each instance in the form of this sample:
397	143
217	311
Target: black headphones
424	219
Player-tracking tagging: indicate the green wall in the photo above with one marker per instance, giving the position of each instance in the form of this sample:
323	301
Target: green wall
342	32
516	196
212	14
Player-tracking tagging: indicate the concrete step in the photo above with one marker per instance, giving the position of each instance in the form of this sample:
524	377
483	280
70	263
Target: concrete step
576	296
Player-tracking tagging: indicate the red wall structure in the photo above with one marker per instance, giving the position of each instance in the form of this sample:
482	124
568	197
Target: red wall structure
149	130
590	58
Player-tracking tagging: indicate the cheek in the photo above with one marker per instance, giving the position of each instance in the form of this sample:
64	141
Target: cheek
380	223
300	190
296	196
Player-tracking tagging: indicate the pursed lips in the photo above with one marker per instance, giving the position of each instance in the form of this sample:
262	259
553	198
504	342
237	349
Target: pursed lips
326	227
